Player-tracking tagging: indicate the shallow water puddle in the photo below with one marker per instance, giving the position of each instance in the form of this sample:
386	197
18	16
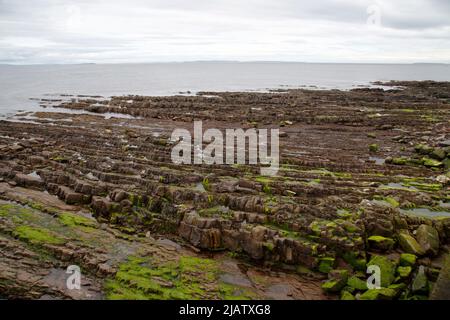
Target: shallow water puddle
378	161
399	186
425	212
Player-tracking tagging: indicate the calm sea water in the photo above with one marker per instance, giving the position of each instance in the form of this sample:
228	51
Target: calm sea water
20	83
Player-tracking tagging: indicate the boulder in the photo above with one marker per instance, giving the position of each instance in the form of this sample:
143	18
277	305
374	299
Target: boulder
445	180
119	195
101	207
409	244
428	238
355	259
387	269
258	233
380	243
378	218
420	282
74	198
29	180
71	197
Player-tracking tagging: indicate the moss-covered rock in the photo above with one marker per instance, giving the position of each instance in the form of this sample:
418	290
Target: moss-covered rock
380	243
378	294
356	283
432	163
409	244
433	274
73	220
399	161
332	286
420	282
423	149
404	272
387	269
356	260
143	278
407	259
387	201
438	154
373	147
345	295
326	264
398	287
446	163
348	289
36	235
430	187
428	238
337	281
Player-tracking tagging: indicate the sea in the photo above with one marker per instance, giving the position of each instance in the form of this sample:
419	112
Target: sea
21	86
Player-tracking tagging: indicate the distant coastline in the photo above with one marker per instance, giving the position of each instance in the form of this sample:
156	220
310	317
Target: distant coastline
19	83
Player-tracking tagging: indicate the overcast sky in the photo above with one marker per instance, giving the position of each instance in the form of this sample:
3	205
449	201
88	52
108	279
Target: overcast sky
112	31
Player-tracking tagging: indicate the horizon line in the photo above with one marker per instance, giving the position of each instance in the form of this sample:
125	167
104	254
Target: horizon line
219	61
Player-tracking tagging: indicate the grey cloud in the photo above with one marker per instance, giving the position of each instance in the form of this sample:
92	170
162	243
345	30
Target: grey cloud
45	31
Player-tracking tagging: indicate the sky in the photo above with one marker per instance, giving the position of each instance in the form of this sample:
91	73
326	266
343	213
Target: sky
134	31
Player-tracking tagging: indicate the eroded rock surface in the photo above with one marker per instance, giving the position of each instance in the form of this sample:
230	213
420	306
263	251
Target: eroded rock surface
363	173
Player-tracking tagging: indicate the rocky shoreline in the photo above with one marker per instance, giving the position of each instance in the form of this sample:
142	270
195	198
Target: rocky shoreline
364	179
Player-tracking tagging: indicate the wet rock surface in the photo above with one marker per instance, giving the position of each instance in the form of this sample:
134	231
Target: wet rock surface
358	169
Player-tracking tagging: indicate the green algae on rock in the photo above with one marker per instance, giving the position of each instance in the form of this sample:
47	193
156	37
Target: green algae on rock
318	206
378	294
428	162
356	283
326	264
71	219
186	278
381	243
428	238
409	244
347	296
404	272
373	147
141	278
387	269
407	259
337	281
36	235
